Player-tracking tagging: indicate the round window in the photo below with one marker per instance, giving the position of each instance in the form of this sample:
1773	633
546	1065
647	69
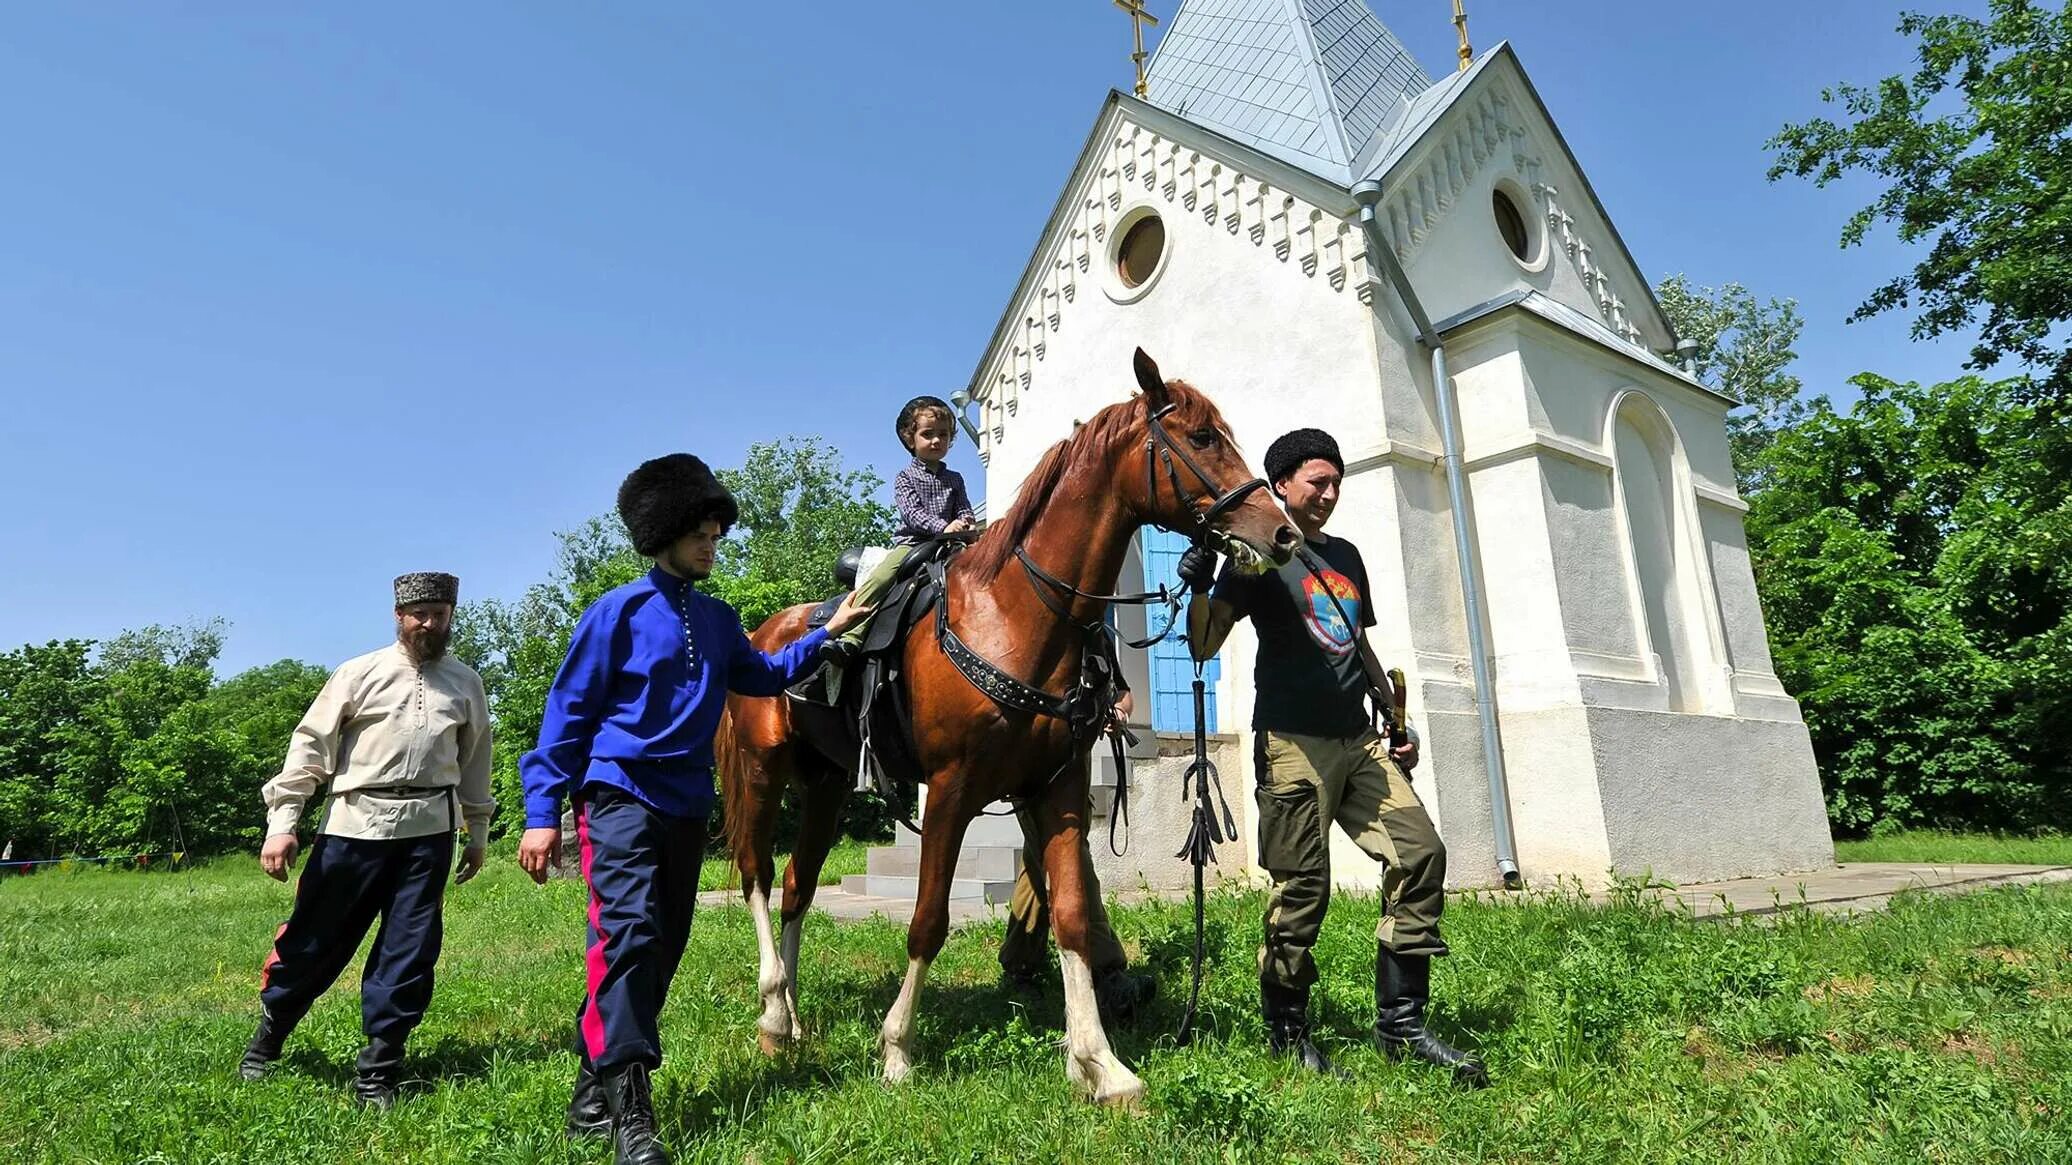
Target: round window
1511	224
1136	259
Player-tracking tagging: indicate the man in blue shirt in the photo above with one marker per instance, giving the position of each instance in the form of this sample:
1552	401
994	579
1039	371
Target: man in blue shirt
628	736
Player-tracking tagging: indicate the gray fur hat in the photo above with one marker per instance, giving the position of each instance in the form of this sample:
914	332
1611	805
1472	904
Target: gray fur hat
669	497
426	586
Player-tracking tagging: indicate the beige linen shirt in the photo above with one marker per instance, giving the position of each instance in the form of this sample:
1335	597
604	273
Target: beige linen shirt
404	749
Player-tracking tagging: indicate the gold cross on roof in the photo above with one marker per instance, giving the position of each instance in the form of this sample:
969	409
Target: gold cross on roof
1138	19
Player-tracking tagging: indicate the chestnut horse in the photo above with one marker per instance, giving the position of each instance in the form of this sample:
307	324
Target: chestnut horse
1165	457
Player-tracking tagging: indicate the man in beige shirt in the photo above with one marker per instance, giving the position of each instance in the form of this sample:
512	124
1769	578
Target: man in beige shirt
399	739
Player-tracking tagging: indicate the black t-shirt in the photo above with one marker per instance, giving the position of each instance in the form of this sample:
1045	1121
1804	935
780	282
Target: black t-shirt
1308	675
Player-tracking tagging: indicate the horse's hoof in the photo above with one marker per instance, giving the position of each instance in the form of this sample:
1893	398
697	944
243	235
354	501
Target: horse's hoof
772	1045
897	1069
1129	1098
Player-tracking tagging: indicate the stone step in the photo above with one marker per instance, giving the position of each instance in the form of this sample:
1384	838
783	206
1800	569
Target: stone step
984	862
995	892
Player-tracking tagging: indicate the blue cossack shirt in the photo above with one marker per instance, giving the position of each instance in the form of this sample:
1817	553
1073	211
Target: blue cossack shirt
639	697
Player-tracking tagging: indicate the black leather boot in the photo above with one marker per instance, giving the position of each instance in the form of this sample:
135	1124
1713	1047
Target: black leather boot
375	1077
589	1115
1121	994
1402	987
1286	1011
265	1047
633	1118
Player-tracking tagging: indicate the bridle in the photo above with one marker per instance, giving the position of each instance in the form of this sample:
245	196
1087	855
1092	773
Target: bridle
1161	450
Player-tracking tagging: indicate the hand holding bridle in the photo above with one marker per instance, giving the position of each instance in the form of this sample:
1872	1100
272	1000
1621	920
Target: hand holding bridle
1198	568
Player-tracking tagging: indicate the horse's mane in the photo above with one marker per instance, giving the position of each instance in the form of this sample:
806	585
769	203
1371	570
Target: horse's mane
1120	421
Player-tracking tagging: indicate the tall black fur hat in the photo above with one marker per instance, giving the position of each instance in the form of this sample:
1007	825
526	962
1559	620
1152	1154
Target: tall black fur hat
1291	451
669	497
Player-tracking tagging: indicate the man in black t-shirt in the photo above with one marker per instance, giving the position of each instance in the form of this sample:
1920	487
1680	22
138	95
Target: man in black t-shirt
1319	759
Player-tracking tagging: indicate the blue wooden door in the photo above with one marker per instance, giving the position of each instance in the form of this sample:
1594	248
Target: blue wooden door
1172	669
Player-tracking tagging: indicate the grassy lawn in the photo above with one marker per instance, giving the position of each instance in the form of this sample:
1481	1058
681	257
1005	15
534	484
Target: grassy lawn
846	858
1941	1031
1927	845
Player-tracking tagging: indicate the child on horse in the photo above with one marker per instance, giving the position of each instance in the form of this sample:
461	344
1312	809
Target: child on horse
929	495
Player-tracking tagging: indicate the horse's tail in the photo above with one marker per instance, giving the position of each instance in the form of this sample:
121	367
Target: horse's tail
750	729
733	763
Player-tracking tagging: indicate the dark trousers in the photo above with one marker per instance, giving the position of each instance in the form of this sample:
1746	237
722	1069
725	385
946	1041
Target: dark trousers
642	870
1305	784
345	883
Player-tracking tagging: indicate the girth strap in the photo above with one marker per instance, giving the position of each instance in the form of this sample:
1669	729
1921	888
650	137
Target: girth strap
996	685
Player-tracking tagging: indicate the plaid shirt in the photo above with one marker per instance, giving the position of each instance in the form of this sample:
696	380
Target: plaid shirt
929	497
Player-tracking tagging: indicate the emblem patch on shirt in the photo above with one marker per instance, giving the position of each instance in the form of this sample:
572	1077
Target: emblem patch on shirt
1326	625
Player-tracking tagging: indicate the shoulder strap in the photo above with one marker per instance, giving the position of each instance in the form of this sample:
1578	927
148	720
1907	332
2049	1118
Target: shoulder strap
1382	704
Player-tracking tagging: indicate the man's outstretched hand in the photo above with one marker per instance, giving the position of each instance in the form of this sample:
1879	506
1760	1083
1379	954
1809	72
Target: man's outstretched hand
847	615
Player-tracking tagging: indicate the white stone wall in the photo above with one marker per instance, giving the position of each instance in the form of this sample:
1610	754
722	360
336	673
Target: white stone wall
1605	775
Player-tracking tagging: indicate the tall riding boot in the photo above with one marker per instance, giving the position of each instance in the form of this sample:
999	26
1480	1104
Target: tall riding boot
589	1114
265	1047
633	1118
375	1076
1402	987
1286	1011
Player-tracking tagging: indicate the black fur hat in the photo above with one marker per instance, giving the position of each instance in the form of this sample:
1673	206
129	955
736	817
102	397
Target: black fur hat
1291	451
669	497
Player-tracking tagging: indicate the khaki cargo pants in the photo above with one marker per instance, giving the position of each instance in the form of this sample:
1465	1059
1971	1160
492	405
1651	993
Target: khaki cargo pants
1022	951
1304	784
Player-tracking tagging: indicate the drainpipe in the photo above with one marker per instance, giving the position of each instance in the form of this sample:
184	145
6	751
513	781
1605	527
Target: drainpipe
961	400
1378	247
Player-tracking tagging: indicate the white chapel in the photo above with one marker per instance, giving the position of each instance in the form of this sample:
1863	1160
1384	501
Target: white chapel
1626	717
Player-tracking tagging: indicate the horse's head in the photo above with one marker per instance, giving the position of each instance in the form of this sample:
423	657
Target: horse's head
1193	480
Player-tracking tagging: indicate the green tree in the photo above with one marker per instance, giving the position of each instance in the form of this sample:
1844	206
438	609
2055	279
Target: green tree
799	510
42	692
143	677
196	645
198	776
1745	350
133	746
1915	564
1974	151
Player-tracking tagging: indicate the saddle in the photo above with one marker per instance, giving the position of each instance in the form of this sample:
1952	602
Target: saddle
867	714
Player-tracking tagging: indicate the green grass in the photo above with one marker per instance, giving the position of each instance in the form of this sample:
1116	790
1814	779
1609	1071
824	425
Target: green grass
1928	845
845	858
1939	1031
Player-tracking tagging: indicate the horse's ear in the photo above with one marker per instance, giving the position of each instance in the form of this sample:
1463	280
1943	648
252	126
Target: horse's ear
1151	382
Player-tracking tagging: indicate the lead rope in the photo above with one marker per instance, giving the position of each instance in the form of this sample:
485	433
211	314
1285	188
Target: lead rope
1202	837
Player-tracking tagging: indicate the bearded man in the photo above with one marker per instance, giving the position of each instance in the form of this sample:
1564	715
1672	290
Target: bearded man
399	741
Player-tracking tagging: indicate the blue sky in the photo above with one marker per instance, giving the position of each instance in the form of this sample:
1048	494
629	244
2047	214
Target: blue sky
298	297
